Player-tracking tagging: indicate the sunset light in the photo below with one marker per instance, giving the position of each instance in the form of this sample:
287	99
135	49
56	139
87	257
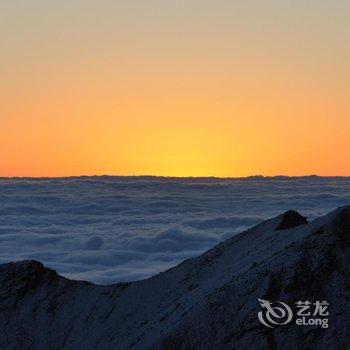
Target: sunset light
183	88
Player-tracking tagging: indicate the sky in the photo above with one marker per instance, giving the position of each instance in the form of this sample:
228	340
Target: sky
178	88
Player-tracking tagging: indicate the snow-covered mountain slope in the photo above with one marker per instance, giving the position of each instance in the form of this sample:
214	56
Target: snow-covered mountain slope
208	302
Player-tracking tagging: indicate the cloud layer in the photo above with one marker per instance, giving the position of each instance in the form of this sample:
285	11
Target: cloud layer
110	229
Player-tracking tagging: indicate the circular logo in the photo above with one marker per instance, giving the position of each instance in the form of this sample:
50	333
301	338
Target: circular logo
274	313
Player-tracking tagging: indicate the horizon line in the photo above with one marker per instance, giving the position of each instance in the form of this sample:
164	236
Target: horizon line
176	177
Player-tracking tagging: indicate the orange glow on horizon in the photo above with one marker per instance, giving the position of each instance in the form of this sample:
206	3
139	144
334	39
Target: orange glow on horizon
166	94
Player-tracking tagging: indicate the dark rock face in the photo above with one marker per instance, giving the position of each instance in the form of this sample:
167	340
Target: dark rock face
28	275
291	219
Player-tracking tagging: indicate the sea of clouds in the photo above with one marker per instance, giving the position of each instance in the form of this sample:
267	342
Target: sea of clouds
111	229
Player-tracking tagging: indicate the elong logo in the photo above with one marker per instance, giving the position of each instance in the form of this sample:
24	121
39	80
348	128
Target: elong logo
278	313
271	315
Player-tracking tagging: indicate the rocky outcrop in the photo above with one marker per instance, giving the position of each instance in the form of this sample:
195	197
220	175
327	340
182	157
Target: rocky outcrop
291	219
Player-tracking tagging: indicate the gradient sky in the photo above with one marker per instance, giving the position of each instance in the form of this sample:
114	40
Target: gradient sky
181	88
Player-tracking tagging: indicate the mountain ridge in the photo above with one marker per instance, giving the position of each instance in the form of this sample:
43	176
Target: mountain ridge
206	302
